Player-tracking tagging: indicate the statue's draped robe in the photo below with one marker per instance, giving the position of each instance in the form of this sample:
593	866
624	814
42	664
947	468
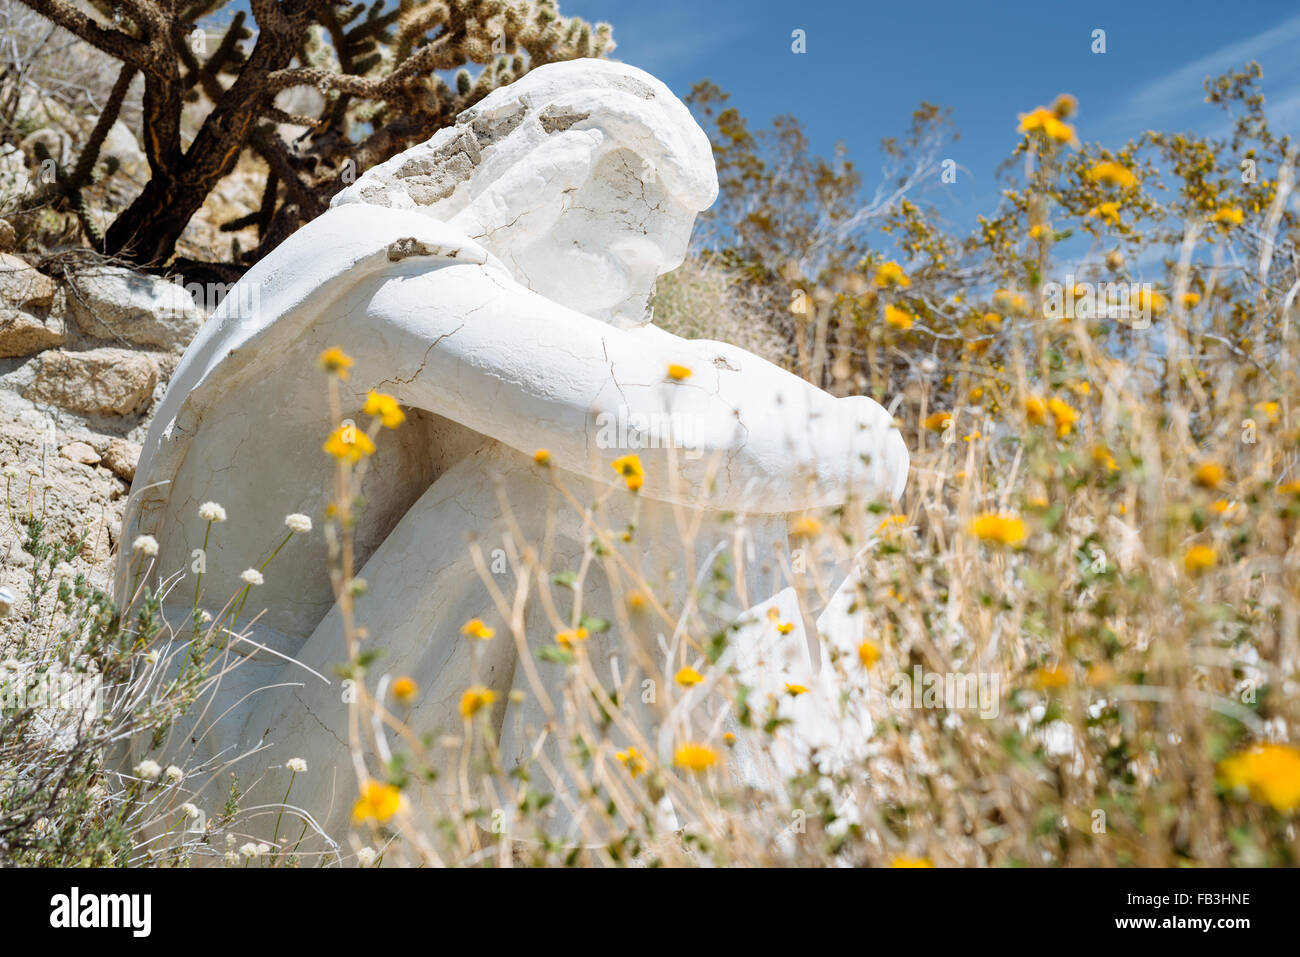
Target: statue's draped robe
243	422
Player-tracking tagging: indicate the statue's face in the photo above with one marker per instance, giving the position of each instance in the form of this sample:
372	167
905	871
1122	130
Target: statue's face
613	236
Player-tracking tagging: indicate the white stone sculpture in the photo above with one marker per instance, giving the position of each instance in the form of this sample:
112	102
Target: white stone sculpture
497	280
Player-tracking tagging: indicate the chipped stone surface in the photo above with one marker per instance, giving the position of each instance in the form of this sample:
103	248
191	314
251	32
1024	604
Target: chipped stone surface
22	285
506	313
127	307
120	458
96	382
76	502
22	333
81	453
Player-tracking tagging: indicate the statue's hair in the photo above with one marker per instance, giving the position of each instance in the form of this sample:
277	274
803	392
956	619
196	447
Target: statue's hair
632	110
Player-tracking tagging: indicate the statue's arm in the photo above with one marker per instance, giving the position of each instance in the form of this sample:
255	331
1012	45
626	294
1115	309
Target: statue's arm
469	343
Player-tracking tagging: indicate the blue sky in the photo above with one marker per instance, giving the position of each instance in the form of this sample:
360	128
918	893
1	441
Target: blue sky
868	64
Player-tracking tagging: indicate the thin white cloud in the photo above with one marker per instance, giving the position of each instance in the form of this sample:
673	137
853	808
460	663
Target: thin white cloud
1178	95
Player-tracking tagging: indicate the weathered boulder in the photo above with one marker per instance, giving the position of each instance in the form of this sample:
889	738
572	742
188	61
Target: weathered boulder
98	382
21	285
110	302
23	334
80	453
121	458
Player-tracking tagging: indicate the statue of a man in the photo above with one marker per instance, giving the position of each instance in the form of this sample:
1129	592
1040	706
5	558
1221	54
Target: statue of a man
497	281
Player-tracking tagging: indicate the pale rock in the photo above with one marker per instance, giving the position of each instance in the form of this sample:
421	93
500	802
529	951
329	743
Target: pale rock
22	285
121	149
14	181
23	334
98	382
47	143
120	458
119	304
80	453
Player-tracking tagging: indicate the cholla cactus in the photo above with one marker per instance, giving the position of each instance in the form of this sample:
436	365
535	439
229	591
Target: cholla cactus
375	69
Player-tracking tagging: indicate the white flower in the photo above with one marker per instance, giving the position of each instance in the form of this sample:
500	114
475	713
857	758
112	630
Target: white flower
205	617
297	522
151	657
230	840
7	600
252	576
367	856
147	544
11	472
253	850
148	769
174	774
296	765
212	512
190	811
231	858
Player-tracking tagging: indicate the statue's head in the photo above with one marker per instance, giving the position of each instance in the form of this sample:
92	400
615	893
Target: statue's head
583	178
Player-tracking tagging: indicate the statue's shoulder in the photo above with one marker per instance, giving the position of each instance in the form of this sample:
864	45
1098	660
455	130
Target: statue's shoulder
319	264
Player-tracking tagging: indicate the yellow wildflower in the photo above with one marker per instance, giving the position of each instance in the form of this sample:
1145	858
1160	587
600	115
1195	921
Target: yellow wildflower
688	677
386	407
1107	212
1271	411
1112	174
1063	415
1035	409
891	274
1228	216
868	654
806	527
405	689
566	638
1150	301
898	318
378	802
694	756
476	699
629	466
1047	678
1208	475
1269	772
912	862
1102	456
937	421
678	373
999	529
1199	558
474	628
337	361
632	760
795	690
542	457
1064	105
1045	121
349	443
